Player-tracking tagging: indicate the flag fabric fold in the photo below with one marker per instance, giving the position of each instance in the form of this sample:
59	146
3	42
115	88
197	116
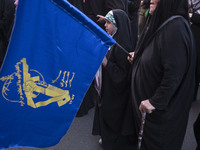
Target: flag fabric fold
53	56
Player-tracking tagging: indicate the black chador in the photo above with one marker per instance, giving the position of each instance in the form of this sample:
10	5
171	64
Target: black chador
113	115
7	11
164	73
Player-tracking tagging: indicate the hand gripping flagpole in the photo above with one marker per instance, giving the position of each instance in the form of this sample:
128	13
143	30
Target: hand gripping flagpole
141	130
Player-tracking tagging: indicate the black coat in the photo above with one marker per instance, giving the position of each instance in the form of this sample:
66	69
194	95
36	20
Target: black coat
7	11
165	74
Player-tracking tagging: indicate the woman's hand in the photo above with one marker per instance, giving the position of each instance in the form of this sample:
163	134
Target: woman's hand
145	106
130	59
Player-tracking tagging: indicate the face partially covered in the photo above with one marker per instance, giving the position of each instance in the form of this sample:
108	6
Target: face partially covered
153	5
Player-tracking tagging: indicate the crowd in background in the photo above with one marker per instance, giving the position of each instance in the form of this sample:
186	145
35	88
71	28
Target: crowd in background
159	78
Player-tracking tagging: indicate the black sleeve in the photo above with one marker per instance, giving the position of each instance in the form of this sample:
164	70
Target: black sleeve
118	66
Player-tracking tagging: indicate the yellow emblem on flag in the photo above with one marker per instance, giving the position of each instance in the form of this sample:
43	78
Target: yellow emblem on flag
30	86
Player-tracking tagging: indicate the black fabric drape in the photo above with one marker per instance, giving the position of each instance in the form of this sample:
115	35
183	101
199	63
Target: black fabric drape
113	116
169	84
7	11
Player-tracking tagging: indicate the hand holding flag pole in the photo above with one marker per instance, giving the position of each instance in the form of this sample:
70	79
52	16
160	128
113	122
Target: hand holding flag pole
124	50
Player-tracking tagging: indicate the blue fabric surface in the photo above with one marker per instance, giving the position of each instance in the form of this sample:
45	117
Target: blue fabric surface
53	56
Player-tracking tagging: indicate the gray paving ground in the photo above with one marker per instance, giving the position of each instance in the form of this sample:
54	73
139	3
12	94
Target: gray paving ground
79	136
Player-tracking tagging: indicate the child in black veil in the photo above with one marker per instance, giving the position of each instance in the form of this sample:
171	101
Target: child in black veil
111	116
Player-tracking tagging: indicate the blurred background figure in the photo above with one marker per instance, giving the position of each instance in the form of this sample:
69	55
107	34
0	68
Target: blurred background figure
143	12
7	13
133	7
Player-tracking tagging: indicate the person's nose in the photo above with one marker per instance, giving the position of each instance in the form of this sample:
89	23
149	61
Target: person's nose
105	24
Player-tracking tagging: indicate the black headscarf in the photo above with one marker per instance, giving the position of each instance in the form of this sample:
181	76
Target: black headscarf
164	10
123	35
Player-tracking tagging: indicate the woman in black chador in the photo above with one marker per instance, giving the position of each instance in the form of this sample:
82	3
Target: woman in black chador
111	115
163	76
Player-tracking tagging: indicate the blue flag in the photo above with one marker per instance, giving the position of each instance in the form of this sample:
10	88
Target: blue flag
53	56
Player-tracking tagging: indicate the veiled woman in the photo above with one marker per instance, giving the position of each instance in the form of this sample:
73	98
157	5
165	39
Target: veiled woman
163	76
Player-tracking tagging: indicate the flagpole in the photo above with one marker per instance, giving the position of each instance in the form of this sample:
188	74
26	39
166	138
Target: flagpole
141	130
123	49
